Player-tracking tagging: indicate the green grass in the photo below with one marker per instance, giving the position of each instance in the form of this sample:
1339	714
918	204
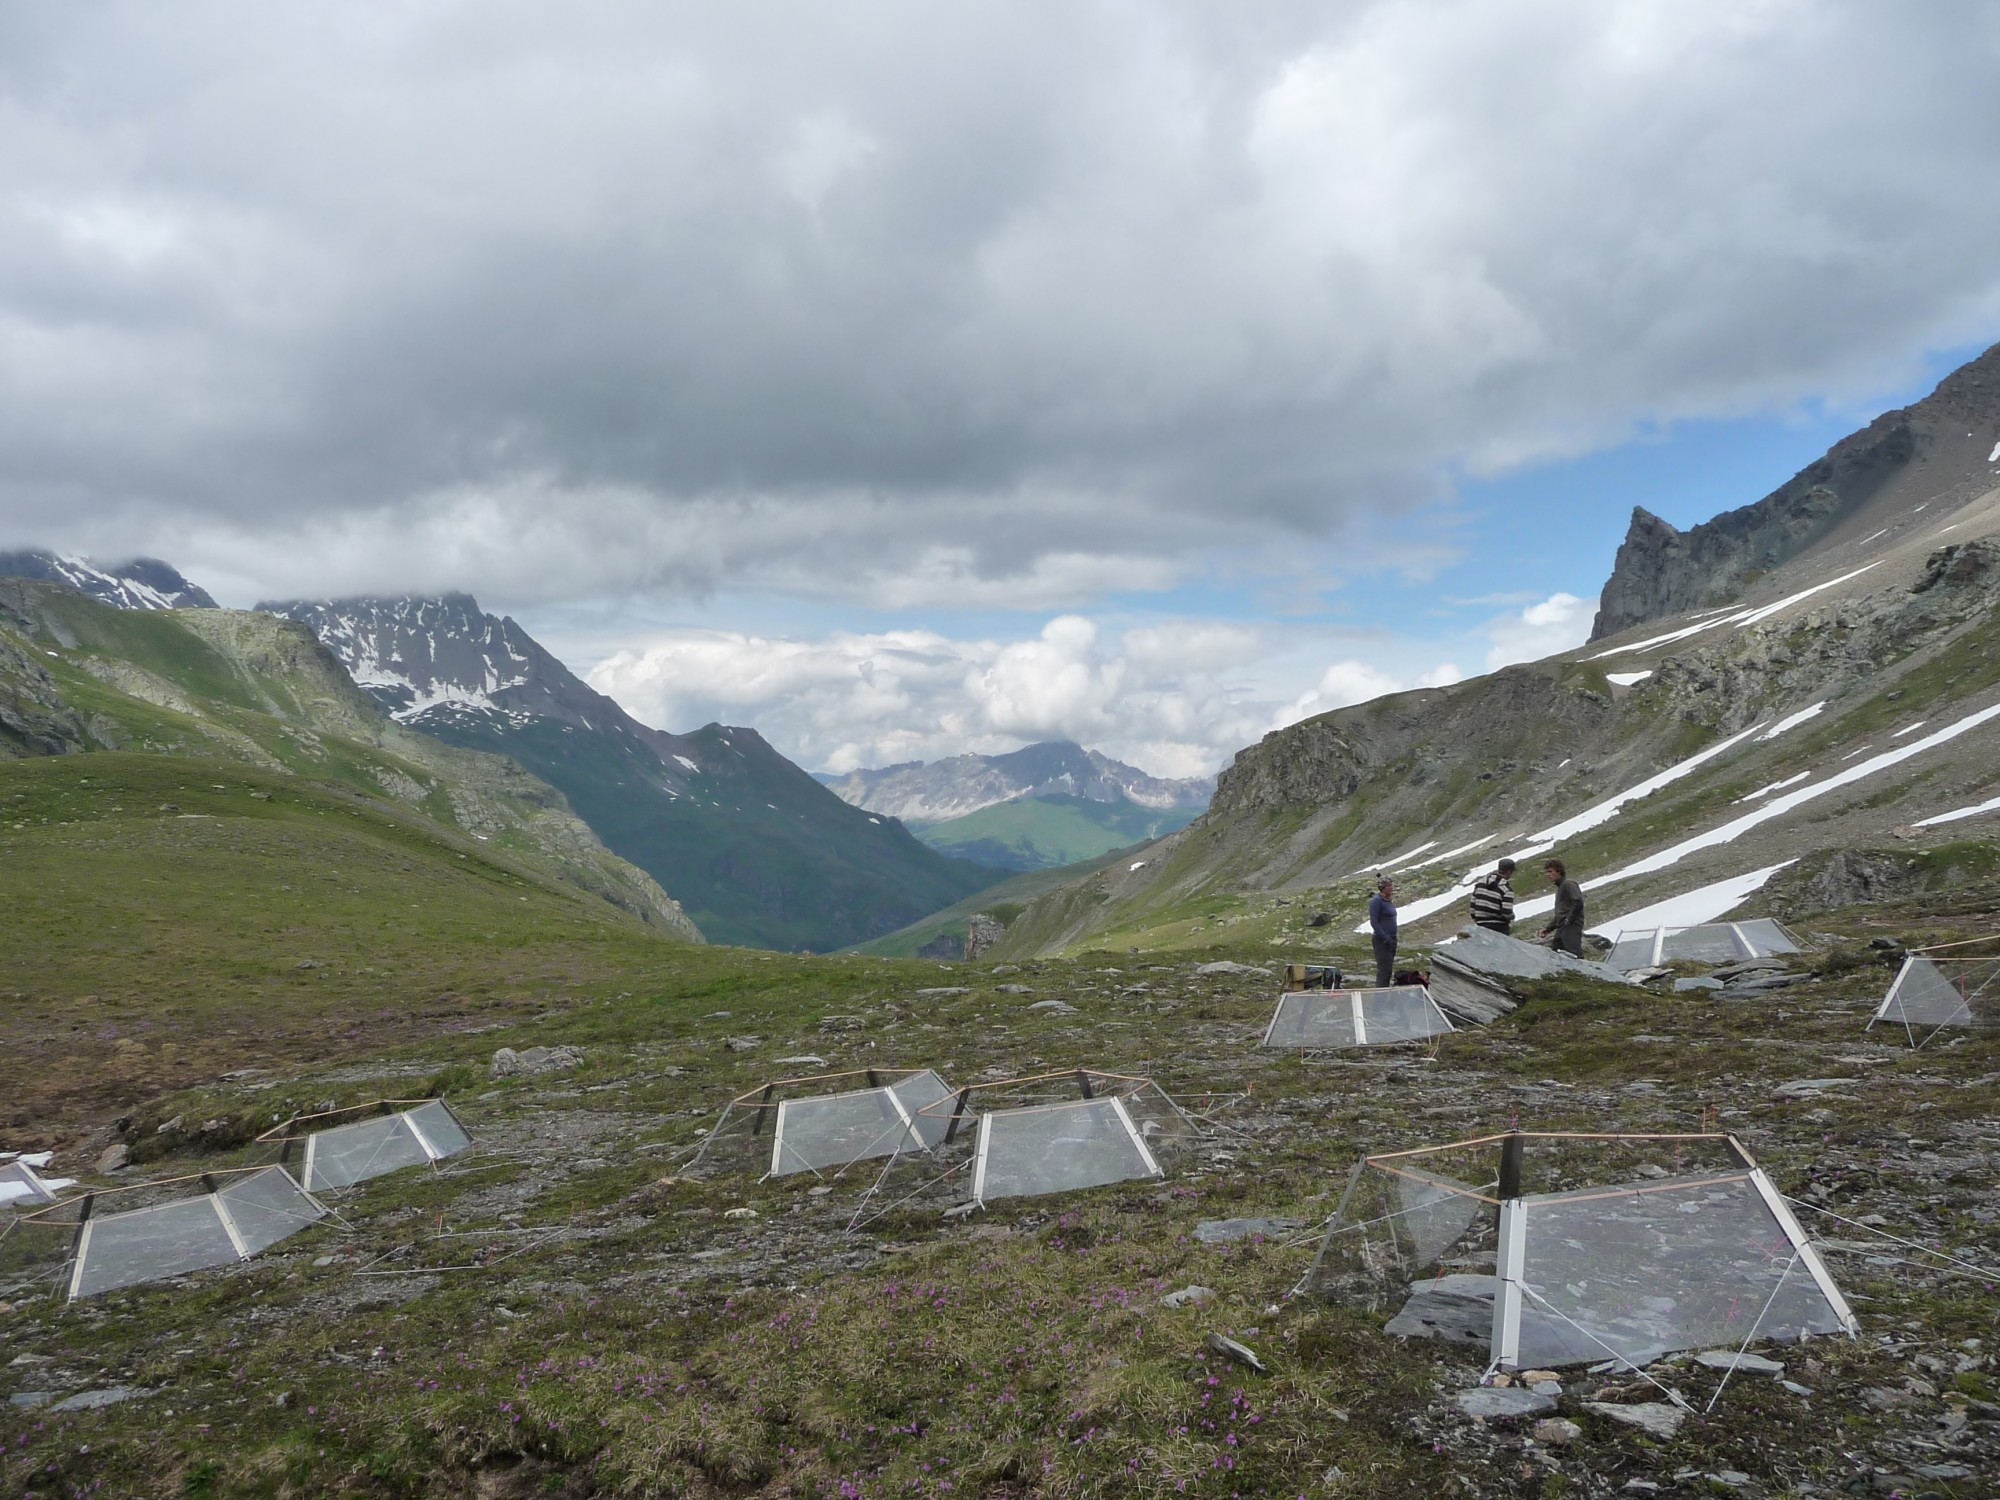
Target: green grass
1037	833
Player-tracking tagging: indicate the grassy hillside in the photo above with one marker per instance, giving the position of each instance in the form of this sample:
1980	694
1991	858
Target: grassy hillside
760	854
78	677
1003	902
1039	833
567	1310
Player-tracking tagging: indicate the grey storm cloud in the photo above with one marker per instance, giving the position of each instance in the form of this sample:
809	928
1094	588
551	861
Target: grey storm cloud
914	300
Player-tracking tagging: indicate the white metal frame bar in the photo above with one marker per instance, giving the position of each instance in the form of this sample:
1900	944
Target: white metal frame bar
430	1151
312	1151
1509	1267
979	1149
1138	1141
1808	1256
82	1255
1360	1025
229	1226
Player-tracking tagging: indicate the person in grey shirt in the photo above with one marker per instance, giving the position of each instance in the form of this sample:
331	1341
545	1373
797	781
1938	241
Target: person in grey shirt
1382	930
1565	928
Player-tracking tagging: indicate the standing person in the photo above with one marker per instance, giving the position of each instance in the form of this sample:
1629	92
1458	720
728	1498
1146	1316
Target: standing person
1565	929
1493	899
1382	926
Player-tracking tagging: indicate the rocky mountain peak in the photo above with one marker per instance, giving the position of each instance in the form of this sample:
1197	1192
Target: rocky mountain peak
962	784
142	583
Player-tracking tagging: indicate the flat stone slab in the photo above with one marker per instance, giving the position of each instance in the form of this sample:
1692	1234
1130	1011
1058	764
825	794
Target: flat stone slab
1490	952
1657	1417
1699	982
1054	1007
1489	1401
1187	1294
109	1396
946	989
1230	1349
1807	1088
1751	1364
1230	966
1223	1231
1457	1308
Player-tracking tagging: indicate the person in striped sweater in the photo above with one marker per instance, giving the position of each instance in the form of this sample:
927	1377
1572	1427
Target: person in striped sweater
1493	899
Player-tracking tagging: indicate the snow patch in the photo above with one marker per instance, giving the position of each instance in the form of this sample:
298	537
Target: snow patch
1692	908
1793	722
1396	859
1137	864
1438	859
1626	679
1991	458
1909	729
1762	791
1959	812
1736	620
1867	539
689	764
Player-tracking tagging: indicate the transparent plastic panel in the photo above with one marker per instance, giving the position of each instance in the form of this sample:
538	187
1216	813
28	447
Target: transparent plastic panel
150	1244
1634	950
266	1206
1766	936
1403	1014
1056	1148
835	1129
1312	1018
440	1127
919	1091
1925	994
1641	1272
1713	944
354	1153
1437	1213
20	1184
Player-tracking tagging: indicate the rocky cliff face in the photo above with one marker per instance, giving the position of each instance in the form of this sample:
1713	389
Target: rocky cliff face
1944	444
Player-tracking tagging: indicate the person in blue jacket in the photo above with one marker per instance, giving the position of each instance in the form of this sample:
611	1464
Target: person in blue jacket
1382	926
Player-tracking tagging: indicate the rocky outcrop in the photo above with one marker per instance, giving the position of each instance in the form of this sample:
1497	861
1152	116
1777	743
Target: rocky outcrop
1904	457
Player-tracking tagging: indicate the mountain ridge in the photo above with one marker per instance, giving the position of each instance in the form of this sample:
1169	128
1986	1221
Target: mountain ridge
758	851
141	583
935	791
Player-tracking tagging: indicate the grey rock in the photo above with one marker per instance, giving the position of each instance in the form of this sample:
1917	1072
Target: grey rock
1811	1088
742	1043
1648	975
1734	1478
1457	1308
1465	994
1230	1349
20	1361
1556	1431
1055	1007
507	1062
1744	1364
1699	982
321	1262
29	1400
109	1396
1495	954
1230	966
114	1158
1657	1417
805	1060
1222	1231
1489	1401
173	1127
1187	1294
948	989
1013	989
1749	966
1795	1388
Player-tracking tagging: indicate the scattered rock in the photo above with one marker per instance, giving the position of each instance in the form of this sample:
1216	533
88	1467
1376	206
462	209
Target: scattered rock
173	1127
742	1043
308	963
1230	966
1487	1402
1223	1231
1229	1348
1810	1088
739	1213
1056	1007
1013	989
1187	1294
1557	1431
1320	919
942	990
1648	974
29	1400
1656	1417
1699	982
1457	1308
114	1158
507	1062
109	1396
1747	1364
805	1060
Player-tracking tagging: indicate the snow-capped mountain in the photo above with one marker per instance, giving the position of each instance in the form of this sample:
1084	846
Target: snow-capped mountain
932	793
142	583
757	851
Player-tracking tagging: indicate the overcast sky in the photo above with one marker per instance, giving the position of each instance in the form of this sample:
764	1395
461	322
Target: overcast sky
903	378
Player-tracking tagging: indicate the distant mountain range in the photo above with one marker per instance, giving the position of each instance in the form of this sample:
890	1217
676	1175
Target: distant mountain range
757	851
143	583
1048	804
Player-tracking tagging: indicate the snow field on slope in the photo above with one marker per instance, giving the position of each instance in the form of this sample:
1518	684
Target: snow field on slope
1959	812
1691	908
1729	832
1735	621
